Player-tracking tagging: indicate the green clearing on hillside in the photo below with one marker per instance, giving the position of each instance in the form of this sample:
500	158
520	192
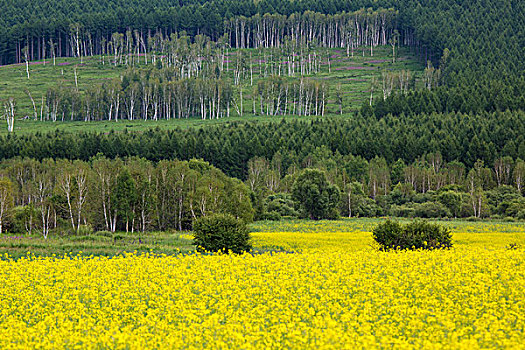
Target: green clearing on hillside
31	127
354	74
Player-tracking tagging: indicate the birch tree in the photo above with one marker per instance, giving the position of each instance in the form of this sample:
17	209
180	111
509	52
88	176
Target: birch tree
106	172
142	173
28	93
9	113
45	184
6	201
503	170
379	177
474	185
519	175
394	40
25	51
354	196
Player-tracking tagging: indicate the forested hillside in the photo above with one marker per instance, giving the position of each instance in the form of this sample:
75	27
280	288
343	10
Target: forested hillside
482	68
474	49
34	25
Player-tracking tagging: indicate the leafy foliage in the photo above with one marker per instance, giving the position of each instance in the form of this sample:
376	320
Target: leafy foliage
316	197
221	232
116	195
281	204
417	234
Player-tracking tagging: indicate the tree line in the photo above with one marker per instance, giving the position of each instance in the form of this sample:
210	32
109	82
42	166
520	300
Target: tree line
126	195
428	187
349	30
81	28
480	41
139	195
155	94
229	146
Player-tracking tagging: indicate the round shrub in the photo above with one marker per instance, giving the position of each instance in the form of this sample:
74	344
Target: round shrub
221	232
417	234
388	234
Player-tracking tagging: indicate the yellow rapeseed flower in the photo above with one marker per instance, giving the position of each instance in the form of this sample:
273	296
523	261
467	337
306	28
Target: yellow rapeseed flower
326	290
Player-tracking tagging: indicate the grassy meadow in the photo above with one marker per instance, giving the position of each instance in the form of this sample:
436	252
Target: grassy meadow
354	74
313	285
31	126
99	244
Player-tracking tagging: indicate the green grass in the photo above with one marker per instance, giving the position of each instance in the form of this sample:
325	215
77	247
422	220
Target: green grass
353	73
367	225
14	82
31	127
97	244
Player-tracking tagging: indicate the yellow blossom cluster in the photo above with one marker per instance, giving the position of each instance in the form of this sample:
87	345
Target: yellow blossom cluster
324	297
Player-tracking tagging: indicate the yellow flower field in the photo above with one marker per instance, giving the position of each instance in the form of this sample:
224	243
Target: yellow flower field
325	296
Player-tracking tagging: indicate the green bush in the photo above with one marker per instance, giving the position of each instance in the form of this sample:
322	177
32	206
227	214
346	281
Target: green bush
452	201
221	232
104	234
403	210
23	220
388	234
431	210
417	234
369	208
271	216
282	204
513	208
